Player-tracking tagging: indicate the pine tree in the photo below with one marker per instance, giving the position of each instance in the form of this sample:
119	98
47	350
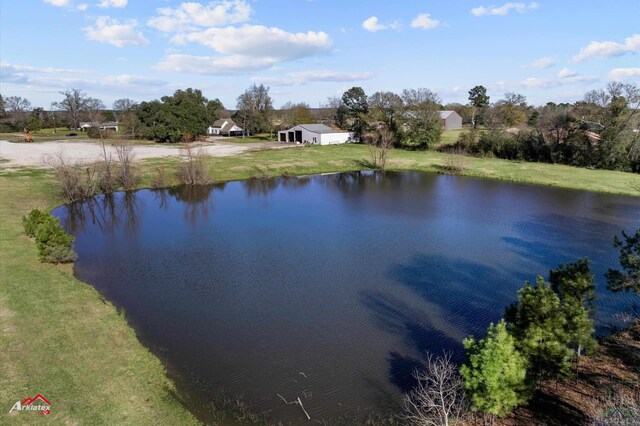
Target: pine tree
629	280
495	372
574	285
538	324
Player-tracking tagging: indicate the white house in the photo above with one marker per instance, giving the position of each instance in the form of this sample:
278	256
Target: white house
224	127
109	125
451	120
318	134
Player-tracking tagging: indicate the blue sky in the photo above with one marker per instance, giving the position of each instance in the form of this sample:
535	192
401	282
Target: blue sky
308	50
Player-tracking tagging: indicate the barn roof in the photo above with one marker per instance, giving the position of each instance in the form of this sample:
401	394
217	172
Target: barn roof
445	114
320	128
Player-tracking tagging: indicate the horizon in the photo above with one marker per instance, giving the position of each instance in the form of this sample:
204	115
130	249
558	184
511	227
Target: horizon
119	49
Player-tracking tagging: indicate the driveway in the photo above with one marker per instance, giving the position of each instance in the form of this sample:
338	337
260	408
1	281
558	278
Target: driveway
36	154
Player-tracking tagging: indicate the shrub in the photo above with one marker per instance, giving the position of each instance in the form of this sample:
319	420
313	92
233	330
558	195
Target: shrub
54	244
32	220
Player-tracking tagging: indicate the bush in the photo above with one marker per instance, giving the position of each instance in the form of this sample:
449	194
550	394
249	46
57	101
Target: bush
54	244
32	220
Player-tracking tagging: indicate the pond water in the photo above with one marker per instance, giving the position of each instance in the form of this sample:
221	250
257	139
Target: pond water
331	288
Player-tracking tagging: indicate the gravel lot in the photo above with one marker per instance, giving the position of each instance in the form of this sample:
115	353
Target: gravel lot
36	154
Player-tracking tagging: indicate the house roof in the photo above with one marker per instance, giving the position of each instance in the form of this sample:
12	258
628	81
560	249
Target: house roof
445	114
320	128
225	124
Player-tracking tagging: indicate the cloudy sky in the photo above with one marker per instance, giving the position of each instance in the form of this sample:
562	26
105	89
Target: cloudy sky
308	50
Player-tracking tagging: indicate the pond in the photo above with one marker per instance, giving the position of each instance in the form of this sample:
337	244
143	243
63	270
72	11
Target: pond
331	288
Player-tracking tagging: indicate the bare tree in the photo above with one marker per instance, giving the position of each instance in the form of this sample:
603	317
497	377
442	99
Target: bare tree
438	399
76	181
127	177
193	170
380	142
17	108
122	107
75	104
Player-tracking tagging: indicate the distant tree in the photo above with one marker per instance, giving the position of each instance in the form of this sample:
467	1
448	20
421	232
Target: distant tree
293	114
512	109
421	118
539	326
356	109
629	278
386	108
123	107
36	119
574	285
215	110
494	372
2	107
333	112
479	100
17	108
75	104
254	109
438	398
181	117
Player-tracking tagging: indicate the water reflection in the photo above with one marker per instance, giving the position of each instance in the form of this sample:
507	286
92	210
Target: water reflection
109	213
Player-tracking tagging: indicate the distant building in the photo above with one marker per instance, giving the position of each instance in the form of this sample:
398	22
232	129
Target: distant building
318	134
109	125
451	120
224	127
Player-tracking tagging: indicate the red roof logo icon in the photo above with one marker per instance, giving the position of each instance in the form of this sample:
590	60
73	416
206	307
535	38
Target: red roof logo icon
29	401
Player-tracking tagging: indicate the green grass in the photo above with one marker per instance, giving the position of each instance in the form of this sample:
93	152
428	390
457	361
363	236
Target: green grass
261	137
449	137
60	338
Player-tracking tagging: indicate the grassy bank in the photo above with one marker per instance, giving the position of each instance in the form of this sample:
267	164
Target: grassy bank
61	339
338	158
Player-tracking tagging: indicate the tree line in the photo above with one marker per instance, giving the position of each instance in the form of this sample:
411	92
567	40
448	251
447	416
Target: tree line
542	336
601	131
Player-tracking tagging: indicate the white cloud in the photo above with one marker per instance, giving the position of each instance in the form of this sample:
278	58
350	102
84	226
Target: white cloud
213	65
259	41
302	77
83	6
372	25
50	78
425	22
190	16
565	77
607	49
12	69
113	3
57	3
543	63
624	73
566	73
108	30
504	9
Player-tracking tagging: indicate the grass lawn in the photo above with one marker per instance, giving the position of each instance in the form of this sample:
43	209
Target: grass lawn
260	137
61	339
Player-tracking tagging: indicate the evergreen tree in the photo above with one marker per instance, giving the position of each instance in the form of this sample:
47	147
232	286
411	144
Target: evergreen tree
574	285
539	325
495	372
355	110
629	278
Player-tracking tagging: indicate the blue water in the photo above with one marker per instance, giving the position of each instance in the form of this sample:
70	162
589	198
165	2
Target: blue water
347	278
